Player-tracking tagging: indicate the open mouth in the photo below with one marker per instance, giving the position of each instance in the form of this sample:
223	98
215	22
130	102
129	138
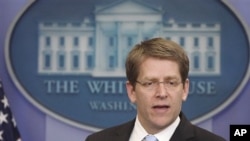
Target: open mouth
161	107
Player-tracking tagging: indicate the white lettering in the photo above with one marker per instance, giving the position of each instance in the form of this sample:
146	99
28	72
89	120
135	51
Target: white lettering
111	106
240	132
62	87
202	87
106	87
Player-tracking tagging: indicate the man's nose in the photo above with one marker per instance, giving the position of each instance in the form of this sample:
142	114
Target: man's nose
161	90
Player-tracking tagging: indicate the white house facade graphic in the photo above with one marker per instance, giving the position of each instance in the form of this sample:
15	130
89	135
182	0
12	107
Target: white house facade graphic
99	47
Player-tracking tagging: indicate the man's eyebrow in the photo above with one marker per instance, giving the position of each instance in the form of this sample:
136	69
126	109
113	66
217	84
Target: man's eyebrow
165	78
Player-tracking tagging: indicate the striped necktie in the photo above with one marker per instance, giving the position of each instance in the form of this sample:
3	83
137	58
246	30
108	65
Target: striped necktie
150	138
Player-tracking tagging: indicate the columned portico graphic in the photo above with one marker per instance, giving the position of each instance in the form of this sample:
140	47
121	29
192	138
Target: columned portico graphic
98	47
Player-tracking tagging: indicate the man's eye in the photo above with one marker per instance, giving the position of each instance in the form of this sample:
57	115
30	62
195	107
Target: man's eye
172	83
148	83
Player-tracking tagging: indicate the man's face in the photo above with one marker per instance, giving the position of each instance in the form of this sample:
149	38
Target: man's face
158	106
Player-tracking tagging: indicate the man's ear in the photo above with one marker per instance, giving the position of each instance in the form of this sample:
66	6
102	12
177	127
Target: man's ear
185	90
131	92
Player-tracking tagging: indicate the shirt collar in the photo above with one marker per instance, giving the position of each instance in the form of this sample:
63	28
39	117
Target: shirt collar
167	133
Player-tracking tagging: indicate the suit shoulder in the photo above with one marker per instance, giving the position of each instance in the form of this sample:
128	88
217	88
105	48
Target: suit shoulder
112	132
205	135
188	131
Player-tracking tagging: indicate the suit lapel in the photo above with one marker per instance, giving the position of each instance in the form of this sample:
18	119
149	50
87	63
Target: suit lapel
184	131
123	132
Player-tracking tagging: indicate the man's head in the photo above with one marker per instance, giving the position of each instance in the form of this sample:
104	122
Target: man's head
157	72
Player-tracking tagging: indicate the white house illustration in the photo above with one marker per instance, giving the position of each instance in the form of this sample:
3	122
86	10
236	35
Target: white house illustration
99	47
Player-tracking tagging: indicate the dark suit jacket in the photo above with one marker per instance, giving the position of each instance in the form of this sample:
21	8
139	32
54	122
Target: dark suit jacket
184	132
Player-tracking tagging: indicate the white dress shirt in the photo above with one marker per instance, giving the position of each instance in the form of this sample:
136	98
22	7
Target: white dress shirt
139	132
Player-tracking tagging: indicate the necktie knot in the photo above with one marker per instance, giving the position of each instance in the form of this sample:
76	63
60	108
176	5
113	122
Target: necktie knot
150	138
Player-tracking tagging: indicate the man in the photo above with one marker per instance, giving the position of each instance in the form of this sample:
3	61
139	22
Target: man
157	73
